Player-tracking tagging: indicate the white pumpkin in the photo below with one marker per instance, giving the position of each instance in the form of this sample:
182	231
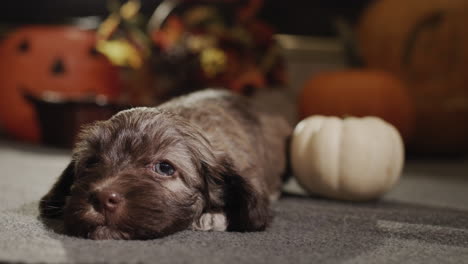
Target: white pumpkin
350	158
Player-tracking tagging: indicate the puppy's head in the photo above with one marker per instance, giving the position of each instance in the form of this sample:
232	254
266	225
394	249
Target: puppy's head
135	176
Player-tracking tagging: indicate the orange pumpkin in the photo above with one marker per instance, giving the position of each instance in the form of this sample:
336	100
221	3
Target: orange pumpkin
424	42
358	93
62	59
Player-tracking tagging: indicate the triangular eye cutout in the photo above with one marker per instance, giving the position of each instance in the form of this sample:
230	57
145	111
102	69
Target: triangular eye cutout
58	68
24	46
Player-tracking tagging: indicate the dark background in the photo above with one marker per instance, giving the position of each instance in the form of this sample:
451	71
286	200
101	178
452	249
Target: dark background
299	17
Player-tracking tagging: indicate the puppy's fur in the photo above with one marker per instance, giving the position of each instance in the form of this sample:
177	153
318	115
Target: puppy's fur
228	158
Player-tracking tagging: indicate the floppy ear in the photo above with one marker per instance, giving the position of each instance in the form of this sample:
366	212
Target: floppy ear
245	207
51	205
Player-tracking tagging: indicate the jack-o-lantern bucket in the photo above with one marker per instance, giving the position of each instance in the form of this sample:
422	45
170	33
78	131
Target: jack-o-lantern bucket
61	59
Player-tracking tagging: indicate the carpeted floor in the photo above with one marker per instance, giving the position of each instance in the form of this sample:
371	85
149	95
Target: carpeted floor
423	220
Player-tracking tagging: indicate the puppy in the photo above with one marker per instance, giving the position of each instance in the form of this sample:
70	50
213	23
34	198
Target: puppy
205	161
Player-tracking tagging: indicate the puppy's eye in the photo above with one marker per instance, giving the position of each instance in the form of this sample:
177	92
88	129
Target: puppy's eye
92	162
164	168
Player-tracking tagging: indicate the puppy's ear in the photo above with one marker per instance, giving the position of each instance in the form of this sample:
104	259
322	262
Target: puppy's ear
245	207
51	205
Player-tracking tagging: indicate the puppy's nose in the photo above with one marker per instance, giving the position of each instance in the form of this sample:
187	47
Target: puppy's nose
109	200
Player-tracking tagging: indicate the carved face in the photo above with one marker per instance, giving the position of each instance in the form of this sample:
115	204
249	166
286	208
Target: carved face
61	59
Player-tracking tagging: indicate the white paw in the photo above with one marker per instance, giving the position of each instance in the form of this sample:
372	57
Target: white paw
210	222
274	196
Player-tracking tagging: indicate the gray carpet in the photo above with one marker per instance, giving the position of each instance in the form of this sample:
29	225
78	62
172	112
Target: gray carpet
423	220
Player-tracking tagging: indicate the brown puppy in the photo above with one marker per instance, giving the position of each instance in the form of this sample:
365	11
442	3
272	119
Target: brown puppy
206	161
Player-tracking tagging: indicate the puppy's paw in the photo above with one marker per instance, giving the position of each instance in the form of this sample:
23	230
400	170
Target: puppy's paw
274	196
210	222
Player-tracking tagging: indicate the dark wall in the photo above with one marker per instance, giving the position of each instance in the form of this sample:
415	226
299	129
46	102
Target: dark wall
310	17
303	17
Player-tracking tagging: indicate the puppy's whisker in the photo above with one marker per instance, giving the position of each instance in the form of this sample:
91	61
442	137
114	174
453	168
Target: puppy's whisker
53	207
49	200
